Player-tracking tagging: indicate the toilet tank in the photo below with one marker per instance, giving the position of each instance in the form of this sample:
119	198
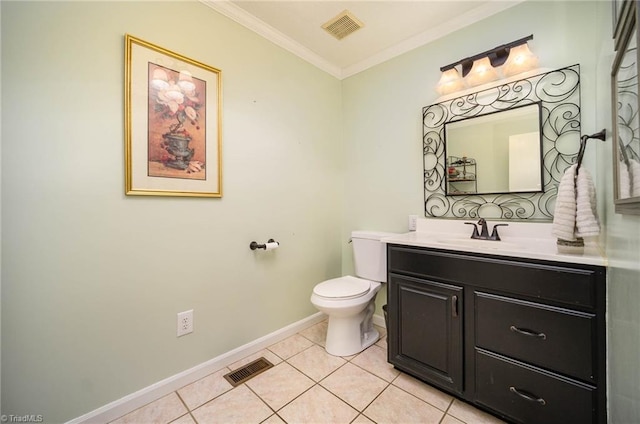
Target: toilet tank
370	255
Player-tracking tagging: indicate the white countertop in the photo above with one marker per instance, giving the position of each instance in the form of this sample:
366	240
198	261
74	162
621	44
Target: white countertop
520	240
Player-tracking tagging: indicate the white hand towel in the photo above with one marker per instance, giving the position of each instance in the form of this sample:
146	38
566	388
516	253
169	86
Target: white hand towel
624	181
564	216
634	175
586	215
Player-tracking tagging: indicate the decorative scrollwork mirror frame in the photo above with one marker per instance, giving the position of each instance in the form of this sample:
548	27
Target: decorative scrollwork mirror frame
558	91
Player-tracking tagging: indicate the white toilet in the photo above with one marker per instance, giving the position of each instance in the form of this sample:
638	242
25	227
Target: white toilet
350	301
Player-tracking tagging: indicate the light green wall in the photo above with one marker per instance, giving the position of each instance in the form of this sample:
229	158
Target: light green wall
90	285
91	279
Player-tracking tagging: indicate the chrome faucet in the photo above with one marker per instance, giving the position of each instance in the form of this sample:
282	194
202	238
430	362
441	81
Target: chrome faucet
484	231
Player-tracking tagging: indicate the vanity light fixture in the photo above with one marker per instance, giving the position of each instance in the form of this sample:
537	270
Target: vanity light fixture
486	66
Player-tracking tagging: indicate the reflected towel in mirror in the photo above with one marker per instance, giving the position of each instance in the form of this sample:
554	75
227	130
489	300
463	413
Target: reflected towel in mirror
624	181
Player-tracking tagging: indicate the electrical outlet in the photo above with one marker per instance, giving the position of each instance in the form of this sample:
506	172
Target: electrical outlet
413	222
185	322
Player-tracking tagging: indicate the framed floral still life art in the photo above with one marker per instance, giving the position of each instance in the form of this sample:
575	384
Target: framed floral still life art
173	129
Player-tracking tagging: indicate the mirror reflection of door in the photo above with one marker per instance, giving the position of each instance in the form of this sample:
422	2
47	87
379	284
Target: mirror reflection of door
524	162
506	147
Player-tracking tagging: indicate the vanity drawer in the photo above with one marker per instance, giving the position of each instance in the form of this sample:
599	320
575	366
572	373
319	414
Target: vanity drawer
528	395
558	283
555	338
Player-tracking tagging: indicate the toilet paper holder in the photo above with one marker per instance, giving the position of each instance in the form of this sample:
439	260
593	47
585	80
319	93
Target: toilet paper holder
267	246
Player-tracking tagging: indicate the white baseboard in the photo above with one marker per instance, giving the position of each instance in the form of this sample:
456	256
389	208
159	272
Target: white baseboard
379	321
162	388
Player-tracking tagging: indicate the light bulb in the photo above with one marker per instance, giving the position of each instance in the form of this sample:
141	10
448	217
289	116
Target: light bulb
481	72
521	59
450	82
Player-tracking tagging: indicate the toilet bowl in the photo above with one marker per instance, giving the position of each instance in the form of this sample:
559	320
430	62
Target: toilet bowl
350	301
348	308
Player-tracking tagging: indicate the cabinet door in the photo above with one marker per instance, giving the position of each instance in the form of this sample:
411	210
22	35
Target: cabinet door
425	330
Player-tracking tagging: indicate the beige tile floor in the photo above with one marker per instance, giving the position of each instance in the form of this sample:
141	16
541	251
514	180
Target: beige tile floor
307	385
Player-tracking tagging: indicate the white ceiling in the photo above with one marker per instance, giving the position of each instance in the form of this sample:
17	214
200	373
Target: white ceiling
391	27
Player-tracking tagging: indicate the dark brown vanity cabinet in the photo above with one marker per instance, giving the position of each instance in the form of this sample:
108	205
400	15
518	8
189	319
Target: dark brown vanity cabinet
429	324
523	339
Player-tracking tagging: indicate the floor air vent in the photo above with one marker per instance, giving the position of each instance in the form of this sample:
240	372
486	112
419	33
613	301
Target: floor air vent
342	25
239	376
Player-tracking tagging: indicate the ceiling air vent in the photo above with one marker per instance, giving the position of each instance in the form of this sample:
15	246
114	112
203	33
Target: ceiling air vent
342	25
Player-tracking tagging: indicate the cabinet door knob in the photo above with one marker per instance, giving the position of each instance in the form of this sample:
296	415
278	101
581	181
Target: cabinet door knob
454	306
528	396
528	333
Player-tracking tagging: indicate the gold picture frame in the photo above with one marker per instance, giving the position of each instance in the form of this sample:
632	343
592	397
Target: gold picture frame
173	123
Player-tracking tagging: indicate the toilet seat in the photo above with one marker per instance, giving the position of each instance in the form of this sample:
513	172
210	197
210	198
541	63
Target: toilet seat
343	288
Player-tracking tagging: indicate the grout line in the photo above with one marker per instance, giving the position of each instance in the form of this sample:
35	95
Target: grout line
187	408
331	373
450	405
311	378
208	400
446	413
316	382
193	418
376	375
343	401
281	358
262	400
422	382
374	399
182	400
297	353
291	401
270	416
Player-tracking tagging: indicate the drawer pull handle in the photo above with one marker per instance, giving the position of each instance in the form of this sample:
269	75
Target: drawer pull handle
527	396
529	333
454	306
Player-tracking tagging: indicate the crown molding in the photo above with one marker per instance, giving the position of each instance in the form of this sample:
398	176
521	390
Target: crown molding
239	15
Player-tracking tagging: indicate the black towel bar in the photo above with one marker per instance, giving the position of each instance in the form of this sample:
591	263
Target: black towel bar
602	135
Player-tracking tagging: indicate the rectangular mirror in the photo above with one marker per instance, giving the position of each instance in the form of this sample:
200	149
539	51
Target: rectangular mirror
500	152
626	123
